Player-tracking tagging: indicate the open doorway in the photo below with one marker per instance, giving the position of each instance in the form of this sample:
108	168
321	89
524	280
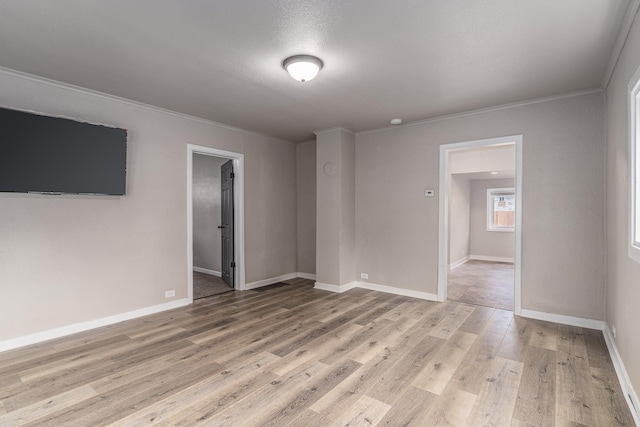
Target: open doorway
215	227
212	225
480	222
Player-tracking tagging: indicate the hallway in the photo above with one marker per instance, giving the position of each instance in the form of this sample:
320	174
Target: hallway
484	283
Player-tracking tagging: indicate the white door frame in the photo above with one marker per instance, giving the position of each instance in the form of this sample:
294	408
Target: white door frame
443	246
238	216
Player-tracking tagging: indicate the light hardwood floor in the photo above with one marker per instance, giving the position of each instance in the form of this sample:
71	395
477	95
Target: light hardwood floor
294	355
486	283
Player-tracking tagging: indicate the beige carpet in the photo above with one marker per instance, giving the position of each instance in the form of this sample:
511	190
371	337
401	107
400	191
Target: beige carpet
206	285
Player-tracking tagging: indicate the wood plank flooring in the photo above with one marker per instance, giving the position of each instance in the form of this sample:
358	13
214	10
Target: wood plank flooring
294	355
486	283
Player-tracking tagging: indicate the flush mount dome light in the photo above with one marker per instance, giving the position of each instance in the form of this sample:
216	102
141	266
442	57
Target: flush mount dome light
302	67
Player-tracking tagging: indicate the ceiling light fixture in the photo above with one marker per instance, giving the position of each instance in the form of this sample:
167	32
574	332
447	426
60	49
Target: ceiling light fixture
302	67
494	173
395	121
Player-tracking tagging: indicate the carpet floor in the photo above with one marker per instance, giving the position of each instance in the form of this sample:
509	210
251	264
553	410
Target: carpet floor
206	285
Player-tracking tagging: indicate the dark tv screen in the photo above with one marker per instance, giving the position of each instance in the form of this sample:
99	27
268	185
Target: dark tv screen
41	154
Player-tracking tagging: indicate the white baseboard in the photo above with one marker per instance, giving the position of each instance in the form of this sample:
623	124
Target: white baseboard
270	281
459	262
623	377
375	287
207	271
335	288
306	276
492	258
398	291
50	334
580	322
85	326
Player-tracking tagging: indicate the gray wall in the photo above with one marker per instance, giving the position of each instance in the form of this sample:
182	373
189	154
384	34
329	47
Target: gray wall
335	221
499	244
459	211
563	171
71	259
348	209
623	274
306	196
270	208
206	212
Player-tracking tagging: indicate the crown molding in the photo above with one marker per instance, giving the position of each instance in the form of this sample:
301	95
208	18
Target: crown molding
623	35
333	129
129	102
485	110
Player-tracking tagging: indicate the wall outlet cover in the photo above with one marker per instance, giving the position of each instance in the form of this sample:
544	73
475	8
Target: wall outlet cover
169	294
364	276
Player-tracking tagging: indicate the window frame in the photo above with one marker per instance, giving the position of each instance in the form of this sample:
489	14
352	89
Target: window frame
634	167
490	196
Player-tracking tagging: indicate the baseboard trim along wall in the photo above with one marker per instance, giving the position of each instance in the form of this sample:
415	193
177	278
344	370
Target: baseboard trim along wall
335	288
63	331
580	322
398	291
376	287
207	271
531	314
85	326
491	258
623	377
270	281
629	393
459	262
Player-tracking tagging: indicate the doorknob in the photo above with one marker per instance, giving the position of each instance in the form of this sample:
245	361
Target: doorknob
221	226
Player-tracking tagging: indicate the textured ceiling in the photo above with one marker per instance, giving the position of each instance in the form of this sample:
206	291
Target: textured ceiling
221	60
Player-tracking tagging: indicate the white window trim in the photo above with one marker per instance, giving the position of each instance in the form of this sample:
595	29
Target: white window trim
634	175
490	226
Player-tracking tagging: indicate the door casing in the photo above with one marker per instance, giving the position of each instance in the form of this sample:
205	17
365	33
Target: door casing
226	223
238	212
443	232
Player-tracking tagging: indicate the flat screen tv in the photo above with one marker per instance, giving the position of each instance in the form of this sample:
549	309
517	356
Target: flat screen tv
41	154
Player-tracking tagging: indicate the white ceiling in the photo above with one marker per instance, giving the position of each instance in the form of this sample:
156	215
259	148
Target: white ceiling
221	59
503	174
474	163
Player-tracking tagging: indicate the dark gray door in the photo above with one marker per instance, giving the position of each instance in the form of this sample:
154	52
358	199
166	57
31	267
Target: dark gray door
226	182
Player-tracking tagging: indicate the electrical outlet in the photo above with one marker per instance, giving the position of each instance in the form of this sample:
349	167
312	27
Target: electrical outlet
364	276
613	330
169	294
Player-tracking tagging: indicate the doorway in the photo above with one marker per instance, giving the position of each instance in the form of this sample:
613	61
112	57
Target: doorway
480	259
215	203
226	226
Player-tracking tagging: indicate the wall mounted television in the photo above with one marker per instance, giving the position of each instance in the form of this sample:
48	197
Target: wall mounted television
42	154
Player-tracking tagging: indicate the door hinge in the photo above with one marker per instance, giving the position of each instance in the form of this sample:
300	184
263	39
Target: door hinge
233	175
233	264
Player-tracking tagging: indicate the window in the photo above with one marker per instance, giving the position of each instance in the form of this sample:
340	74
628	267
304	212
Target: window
634	167
501	209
